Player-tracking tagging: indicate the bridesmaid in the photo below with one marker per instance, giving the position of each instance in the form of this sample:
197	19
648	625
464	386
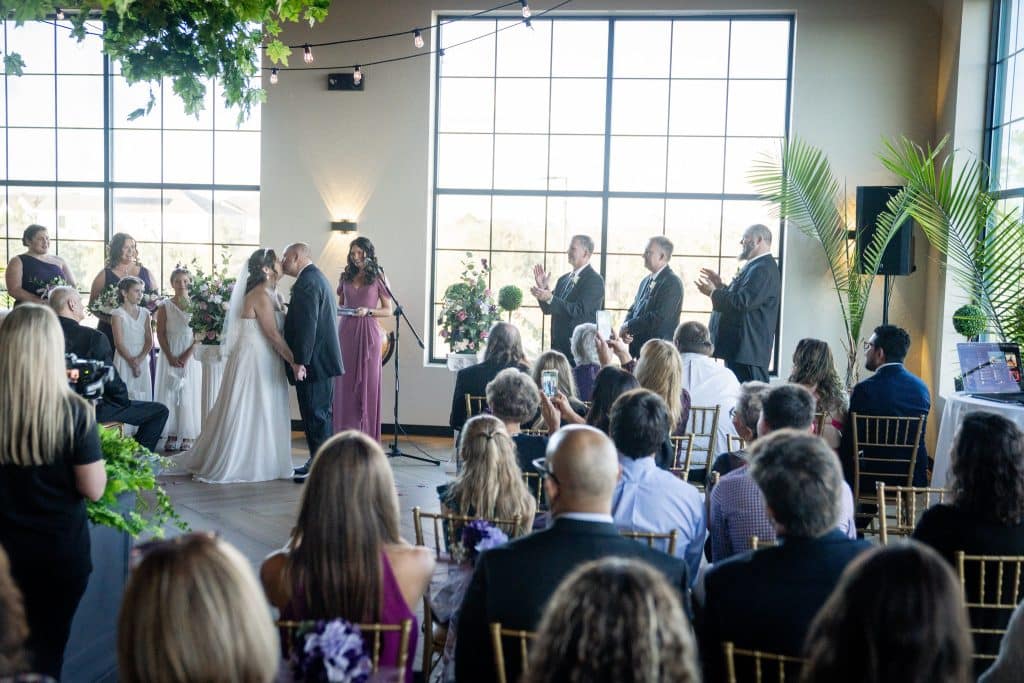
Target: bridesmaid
122	261
357	392
29	274
178	374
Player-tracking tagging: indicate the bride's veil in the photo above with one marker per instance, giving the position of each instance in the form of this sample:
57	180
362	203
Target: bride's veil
232	326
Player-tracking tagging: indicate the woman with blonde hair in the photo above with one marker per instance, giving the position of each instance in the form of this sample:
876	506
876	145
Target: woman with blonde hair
614	620
193	611
50	461
346	557
660	369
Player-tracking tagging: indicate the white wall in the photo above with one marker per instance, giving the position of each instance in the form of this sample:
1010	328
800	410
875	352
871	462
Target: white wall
864	71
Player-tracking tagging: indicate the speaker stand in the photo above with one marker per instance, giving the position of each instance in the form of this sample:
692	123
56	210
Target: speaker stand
886	296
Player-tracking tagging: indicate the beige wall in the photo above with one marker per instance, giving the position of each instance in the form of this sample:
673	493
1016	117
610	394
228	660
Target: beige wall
864	71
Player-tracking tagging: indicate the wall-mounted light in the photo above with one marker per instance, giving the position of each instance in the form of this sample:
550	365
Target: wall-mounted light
343	226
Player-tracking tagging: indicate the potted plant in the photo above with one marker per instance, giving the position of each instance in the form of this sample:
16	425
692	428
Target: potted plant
510	298
468	310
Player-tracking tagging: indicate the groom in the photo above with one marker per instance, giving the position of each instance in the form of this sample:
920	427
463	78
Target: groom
311	332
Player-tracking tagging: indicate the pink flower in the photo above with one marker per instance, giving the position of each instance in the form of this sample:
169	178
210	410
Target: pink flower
211	335
202	305
444	333
483	335
487	292
461	315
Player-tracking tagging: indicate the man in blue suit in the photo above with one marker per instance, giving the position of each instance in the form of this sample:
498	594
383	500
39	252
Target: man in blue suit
890	391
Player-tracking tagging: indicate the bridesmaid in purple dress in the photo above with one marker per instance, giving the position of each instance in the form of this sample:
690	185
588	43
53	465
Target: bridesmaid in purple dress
31	274
357	392
122	261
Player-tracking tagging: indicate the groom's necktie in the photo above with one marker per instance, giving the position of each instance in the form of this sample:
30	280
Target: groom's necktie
566	286
641	300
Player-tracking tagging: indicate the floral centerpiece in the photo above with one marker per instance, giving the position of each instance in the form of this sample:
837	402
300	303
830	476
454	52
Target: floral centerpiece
477	536
209	296
468	310
109	299
330	651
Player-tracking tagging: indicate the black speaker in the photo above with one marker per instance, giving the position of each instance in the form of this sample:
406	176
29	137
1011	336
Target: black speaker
898	258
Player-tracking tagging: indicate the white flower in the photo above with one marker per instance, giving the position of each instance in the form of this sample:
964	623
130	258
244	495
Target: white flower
216	298
226	305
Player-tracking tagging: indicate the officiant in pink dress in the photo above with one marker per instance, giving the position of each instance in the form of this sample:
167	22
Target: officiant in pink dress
362	297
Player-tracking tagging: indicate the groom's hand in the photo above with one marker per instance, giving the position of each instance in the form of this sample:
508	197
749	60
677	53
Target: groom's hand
299	371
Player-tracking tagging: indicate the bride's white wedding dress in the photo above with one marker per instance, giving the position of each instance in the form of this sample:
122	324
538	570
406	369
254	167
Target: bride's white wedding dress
247	435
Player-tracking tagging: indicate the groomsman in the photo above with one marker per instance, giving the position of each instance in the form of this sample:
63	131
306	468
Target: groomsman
659	300
577	295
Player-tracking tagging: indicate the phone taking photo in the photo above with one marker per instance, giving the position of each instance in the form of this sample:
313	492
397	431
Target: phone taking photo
549	382
604	324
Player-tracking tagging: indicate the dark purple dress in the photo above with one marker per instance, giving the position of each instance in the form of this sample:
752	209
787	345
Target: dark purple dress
37	275
357	392
111	278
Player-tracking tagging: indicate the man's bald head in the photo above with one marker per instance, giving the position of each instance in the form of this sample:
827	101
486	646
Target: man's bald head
585	466
296	257
66	302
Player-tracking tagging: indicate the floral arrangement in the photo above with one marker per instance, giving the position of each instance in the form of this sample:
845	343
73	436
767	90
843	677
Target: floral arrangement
109	300
476	537
130	469
330	651
468	310
210	296
510	298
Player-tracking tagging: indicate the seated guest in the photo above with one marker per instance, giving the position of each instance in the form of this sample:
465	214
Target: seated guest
892	390
814	368
556	360
192	611
709	382
765	600
513	398
610	621
896	615
345	557
13	627
660	370
504	350
513	583
610	383
87	343
587	363
737	504
745	417
1009	665
648	498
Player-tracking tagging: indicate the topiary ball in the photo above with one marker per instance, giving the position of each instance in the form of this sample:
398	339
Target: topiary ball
510	298
970	320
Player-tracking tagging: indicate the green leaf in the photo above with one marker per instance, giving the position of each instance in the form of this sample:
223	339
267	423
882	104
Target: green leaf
278	52
14	65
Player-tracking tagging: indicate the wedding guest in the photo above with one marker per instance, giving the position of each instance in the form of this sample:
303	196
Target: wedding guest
178	374
610	383
504	350
13	627
896	615
345	557
614	620
556	360
660	369
709	382
122	261
587	363
30	275
357	391
744	420
659	299
814	368
1009	665
133	339
50	462
193	611
576	296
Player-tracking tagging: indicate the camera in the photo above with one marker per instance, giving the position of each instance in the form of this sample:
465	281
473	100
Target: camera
87	378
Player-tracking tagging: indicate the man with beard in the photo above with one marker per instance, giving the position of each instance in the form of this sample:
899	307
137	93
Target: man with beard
746	312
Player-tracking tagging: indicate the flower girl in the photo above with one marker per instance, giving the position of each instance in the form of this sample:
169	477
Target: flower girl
133	339
178	373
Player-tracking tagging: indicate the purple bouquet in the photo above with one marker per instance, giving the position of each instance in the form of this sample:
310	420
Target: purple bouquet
330	651
476	537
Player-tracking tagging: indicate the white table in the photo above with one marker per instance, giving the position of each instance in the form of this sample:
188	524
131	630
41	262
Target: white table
957	406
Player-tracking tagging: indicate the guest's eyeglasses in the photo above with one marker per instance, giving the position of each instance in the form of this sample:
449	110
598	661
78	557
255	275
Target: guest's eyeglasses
732	412
541	465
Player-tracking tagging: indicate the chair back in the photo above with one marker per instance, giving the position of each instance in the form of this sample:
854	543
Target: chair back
736	443
819	423
886	450
652	536
475	405
682	455
372	637
703	427
534	432
522	638
533	483
445	527
992	589
901	507
756	542
751	665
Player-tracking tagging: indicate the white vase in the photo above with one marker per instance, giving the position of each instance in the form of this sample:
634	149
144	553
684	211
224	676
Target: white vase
460	361
212	358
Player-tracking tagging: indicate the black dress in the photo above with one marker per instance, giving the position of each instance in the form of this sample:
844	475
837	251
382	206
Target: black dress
45	532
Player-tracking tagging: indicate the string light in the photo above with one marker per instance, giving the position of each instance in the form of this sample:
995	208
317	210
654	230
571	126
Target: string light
526	9
440	52
307	54
273	77
529	24
357	76
417	38
60	14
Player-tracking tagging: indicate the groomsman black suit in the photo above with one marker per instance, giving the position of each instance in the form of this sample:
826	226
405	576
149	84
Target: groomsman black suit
656	309
311	332
744	318
572	305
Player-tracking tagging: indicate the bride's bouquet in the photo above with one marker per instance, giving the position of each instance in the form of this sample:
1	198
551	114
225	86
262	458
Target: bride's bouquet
210	296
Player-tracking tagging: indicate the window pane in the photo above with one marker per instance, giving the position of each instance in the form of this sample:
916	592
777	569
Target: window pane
638	164
30	101
514	268
693	225
757	108
737	216
700	49
80	101
80	213
621	283
136	156
518	224
577	162
188	157
185	254
138	213
85	259
740	154
80	155
530	321
759	49
695	164
1013	160
236	217
1014	103
128	98
74	57
448	266
32	154
632	222
642	49
472	59
151	256
523	51
578	106
463	222
187	215
698	108
521	105
464	160
568	216
28	205
639	107
468	105
34	41
174	109
227	118
580	48
237	158
520	162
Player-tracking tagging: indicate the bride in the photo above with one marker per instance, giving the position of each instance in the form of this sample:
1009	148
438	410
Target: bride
247	435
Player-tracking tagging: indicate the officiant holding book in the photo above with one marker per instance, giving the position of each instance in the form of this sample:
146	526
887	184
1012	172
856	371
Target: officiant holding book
576	297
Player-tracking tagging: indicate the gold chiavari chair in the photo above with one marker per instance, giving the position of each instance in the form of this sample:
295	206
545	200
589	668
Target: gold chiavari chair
755	662
736	443
533	483
992	588
372	632
522	637
901	507
682	455
886	448
756	543
444	527
535	432
651	536
475	405
702	429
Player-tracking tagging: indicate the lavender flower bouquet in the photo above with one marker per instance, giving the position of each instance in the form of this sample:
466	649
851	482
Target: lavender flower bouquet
330	651
476	537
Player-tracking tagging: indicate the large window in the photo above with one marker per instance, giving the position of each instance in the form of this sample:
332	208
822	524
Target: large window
1005	140
185	187
618	128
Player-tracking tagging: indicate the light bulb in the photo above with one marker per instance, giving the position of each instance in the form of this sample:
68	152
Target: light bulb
273	77
526	9
357	76
417	38
60	14
307	54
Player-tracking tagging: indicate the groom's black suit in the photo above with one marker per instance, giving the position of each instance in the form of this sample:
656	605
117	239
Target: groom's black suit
311	332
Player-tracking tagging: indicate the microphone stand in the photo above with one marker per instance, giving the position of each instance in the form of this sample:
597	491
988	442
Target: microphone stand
395	451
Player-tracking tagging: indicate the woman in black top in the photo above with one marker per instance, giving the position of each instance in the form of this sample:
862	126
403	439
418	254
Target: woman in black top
50	460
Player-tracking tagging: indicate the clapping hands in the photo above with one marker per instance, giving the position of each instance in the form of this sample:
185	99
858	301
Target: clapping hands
709	281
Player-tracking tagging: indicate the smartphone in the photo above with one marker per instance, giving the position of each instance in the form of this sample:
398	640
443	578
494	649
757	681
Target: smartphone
604	324
549	382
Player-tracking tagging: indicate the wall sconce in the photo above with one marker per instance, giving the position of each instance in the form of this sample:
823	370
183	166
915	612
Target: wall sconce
343	226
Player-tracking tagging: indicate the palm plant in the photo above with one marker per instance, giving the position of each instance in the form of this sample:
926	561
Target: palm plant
800	184
984	248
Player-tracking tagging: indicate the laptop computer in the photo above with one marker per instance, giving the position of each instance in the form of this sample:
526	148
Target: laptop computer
991	371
